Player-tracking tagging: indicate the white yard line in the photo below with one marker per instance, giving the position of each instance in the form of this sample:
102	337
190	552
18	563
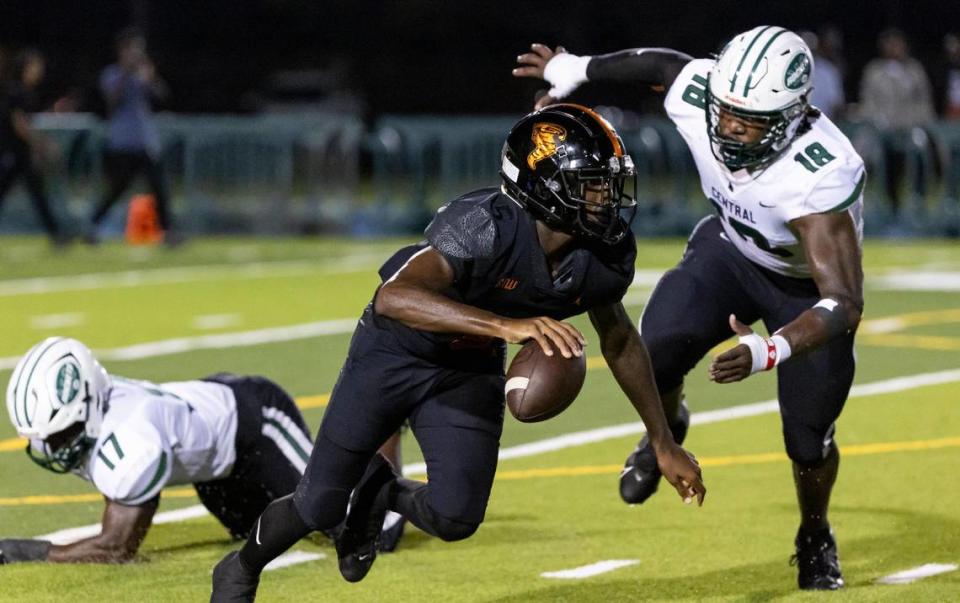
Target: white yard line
44	322
292	558
594	569
188	274
581	438
217	341
906	280
209	322
918	573
917	281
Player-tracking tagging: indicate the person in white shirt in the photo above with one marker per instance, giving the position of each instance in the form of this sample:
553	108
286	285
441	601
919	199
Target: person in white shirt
784	247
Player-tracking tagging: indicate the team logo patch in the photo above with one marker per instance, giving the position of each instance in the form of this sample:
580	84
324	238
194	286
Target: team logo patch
798	72
68	382
545	139
507	284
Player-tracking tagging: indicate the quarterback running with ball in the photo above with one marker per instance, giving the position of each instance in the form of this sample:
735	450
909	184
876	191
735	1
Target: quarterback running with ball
784	247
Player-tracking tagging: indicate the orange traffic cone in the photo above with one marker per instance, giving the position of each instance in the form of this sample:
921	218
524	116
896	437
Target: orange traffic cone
143	226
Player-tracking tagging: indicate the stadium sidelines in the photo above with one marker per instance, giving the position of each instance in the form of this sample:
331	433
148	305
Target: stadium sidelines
580	438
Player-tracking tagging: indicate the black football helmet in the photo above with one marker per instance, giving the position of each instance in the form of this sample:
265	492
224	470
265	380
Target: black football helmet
552	157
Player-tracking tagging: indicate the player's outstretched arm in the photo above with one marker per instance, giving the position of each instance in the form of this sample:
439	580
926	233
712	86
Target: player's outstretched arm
414	296
626	355
657	67
124	528
833	252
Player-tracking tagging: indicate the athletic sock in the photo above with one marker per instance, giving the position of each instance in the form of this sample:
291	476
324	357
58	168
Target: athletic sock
278	528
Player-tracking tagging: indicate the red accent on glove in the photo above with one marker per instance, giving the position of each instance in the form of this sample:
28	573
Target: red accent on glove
771	354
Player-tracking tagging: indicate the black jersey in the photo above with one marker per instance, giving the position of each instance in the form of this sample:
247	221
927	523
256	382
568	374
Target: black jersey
491	243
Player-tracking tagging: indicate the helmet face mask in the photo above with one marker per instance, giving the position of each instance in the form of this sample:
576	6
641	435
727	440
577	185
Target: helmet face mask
62	452
762	77
737	154
565	165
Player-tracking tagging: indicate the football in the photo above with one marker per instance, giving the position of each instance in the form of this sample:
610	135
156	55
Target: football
540	387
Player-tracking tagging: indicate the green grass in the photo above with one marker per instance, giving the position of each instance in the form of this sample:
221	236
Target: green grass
891	511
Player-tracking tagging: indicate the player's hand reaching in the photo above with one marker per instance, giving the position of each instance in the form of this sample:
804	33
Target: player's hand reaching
549	333
681	469
736	363
753	354
561	69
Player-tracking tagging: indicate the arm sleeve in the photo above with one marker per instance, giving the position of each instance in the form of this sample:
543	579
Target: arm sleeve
132	466
466	234
654	66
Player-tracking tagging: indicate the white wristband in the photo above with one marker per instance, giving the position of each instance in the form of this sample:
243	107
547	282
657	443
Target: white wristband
766	353
565	72
783	348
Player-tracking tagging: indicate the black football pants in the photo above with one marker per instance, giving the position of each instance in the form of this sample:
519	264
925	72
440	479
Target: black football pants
687	316
456	416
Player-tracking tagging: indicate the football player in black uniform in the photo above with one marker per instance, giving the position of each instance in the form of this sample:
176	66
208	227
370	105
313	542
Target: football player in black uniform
498	265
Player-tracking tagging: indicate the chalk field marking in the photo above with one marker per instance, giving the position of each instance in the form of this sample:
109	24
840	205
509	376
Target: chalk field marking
918	573
917	281
292	558
594	569
218	341
208	322
578	439
188	274
44	322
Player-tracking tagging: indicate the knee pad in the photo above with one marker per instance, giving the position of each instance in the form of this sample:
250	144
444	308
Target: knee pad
808	447
411	502
321	509
450	530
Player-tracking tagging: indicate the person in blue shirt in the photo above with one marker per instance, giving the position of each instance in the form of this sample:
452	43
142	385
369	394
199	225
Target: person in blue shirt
132	147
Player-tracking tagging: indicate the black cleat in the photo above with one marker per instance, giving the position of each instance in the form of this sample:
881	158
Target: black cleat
233	583
641	476
816	559
357	542
391	533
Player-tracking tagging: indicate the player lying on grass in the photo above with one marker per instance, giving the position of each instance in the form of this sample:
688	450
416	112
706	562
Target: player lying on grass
499	265
241	442
783	247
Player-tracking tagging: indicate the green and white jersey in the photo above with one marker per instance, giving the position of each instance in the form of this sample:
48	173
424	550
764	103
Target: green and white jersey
820	172
157	435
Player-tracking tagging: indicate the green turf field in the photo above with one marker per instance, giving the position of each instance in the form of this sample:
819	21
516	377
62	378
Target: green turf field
223	304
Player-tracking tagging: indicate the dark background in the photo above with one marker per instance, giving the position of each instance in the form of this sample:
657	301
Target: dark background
411	56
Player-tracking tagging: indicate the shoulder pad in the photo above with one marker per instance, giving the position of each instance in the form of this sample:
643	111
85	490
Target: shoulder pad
131	467
464	228
839	188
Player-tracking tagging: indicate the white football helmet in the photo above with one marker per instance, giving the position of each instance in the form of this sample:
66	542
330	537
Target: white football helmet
58	387
763	76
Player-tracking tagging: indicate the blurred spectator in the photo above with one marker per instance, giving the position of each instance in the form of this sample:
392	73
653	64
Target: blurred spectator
827	94
895	95
22	150
951	95
132	146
